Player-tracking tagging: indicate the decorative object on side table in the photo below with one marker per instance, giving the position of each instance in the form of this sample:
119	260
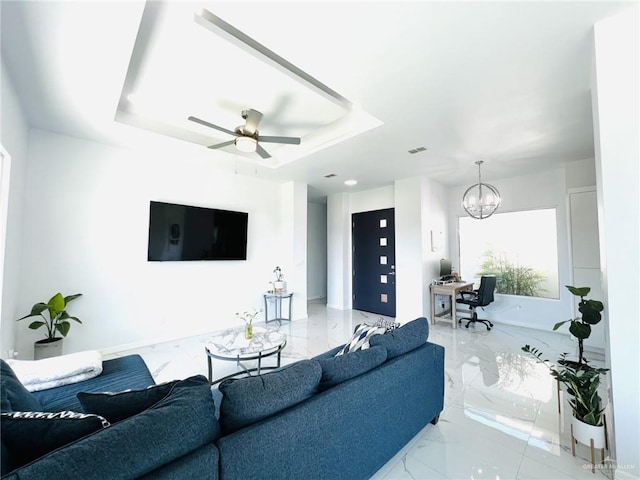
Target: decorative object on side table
247	318
279	285
57	322
581	380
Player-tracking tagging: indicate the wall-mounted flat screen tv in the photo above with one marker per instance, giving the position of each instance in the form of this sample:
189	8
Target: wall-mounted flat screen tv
183	232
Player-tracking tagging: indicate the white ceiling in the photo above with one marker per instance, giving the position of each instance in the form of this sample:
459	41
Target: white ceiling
504	82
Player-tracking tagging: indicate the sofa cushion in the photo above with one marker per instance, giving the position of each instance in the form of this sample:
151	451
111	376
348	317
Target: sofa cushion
180	423
248	400
30	435
14	396
120	405
403	339
360	338
338	369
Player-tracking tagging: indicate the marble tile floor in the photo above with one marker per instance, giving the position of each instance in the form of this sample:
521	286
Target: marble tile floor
500	419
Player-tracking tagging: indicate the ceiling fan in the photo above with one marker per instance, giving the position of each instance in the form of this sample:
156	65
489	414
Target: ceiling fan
247	137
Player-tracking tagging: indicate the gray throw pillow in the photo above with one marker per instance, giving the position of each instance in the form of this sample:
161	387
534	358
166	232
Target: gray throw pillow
403	339
338	369
250	399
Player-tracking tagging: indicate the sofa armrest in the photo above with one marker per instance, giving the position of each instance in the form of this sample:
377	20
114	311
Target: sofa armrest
118	374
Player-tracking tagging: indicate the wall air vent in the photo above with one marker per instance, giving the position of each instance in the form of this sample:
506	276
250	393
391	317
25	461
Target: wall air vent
417	149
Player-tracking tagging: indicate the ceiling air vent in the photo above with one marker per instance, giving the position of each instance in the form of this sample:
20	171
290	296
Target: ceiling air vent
417	149
330	175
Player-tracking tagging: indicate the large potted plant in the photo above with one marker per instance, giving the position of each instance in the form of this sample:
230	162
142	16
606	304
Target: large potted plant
580	379
55	319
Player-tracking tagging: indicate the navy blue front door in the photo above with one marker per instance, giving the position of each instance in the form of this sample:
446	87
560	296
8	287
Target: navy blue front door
374	258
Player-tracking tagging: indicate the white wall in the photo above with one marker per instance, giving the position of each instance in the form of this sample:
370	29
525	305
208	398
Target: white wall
338	255
14	138
85	231
541	190
420	206
616	101
316	250
340	207
293	242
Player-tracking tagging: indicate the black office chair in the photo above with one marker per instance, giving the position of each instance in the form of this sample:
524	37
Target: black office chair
481	297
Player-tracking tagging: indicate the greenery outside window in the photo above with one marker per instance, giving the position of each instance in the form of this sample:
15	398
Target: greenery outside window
520	248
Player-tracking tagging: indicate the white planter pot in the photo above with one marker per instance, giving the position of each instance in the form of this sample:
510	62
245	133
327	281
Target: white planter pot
47	349
584	433
279	286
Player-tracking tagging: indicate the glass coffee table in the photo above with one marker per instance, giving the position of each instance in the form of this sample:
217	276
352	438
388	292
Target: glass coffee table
230	345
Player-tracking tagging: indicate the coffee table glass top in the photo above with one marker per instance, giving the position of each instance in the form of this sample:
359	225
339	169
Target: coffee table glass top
232	344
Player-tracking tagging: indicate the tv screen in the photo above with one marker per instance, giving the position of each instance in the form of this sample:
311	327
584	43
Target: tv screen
182	232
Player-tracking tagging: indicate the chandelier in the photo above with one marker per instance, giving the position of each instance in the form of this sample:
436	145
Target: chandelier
481	200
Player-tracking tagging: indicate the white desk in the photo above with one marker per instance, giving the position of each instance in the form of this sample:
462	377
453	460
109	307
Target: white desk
451	290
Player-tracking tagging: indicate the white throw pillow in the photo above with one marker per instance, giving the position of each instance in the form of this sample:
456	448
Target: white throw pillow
360	338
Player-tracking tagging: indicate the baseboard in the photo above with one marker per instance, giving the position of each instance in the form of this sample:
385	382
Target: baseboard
146	343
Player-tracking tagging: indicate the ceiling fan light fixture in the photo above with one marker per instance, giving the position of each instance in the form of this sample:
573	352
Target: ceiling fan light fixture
246	144
481	200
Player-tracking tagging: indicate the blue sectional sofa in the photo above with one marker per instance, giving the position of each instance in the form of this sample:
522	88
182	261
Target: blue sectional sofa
328	417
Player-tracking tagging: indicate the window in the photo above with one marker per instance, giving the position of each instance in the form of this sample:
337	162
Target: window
520	248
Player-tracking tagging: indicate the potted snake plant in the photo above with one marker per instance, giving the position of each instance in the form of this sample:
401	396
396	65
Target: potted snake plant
55	320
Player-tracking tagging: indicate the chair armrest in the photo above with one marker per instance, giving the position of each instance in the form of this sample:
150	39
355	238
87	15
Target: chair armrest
472	293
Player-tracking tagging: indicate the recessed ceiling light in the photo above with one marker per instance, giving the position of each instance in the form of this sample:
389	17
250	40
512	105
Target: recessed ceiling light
350	183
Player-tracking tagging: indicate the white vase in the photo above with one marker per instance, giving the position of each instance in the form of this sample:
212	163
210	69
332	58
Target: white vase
584	433
595	437
279	286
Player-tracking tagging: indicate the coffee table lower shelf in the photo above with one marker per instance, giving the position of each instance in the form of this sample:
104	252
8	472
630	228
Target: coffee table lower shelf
244	370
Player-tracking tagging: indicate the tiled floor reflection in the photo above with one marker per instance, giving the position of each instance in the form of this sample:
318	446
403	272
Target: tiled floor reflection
501	417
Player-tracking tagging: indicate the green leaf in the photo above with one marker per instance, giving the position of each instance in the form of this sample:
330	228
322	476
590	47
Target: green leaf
71	297
590	418
559	324
579	292
75	318
591	317
37	309
35	325
580	330
57	302
63	328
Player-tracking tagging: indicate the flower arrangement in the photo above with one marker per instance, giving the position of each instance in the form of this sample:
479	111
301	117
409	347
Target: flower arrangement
248	317
278	273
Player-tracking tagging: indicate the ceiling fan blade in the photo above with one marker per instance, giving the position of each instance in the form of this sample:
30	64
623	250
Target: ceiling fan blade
289	140
262	152
220	145
211	125
253	118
